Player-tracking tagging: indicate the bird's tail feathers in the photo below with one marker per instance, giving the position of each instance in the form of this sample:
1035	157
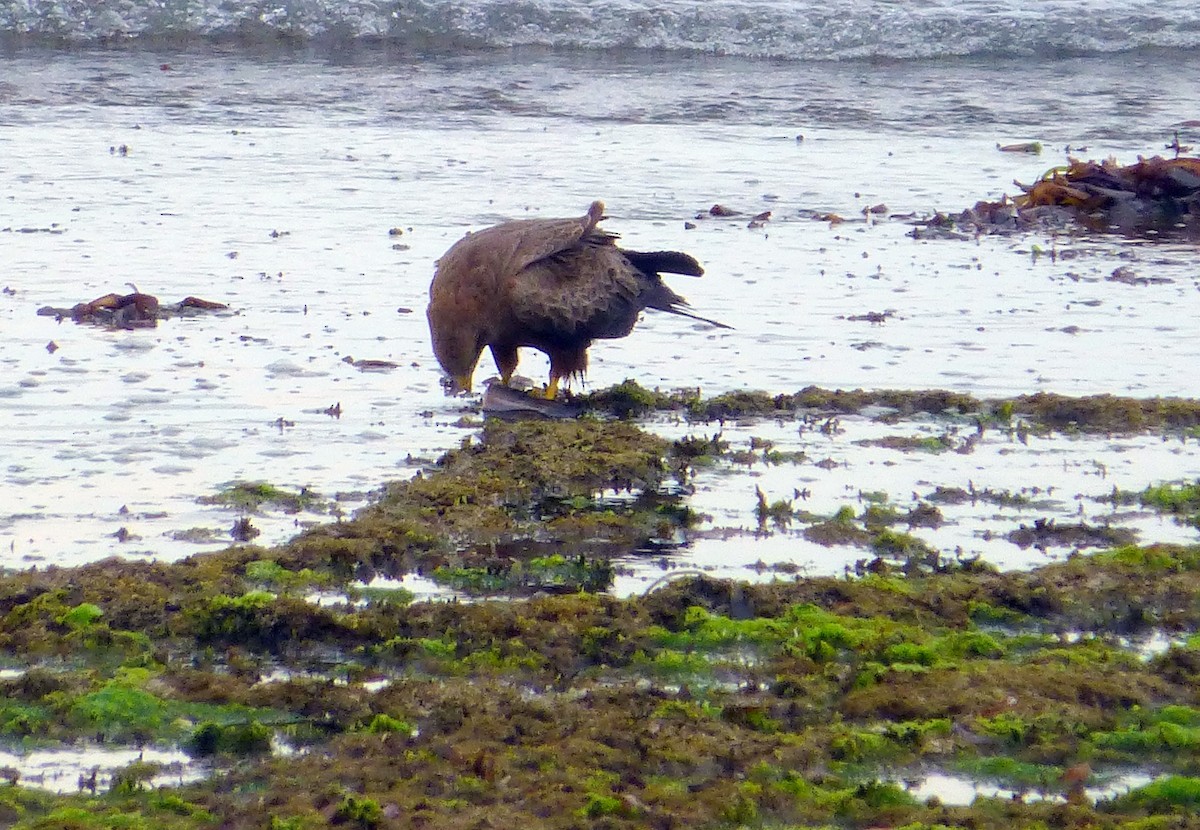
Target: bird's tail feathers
674	309
662	298
665	262
659	296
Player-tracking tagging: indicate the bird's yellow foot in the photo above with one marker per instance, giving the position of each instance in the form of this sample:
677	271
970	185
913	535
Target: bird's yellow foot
551	391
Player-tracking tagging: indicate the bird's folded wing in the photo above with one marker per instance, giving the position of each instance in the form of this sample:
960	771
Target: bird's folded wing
583	293
533	239
536	244
498	252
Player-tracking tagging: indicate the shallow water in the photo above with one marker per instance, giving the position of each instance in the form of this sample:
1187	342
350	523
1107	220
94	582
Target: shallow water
1066	480
270	181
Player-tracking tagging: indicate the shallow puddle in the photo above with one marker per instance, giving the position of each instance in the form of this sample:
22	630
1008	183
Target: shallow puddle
70	769
959	790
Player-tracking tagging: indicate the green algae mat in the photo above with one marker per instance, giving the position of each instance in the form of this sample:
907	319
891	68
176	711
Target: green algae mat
1067	694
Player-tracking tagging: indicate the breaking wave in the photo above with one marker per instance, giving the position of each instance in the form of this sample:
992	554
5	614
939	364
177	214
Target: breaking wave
784	29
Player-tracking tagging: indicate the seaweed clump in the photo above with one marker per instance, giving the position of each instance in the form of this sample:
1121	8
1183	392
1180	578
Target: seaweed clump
251	496
1101	413
128	311
1153	196
1152	193
1047	533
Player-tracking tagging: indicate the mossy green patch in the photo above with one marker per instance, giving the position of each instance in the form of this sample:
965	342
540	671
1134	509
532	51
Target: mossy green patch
358	811
1181	500
676	666
912	443
1170	792
1153	558
1167	730
629	399
113	814
122	710
896	544
383	723
381	595
246	738
542	573
82	616
272	576
24	720
1010	772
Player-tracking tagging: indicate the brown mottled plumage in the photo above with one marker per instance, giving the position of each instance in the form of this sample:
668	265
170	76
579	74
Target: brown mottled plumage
554	285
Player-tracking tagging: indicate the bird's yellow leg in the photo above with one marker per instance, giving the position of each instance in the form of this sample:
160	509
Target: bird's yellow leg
552	389
506	362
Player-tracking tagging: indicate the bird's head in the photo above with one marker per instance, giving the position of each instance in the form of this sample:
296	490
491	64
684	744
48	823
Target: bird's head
457	345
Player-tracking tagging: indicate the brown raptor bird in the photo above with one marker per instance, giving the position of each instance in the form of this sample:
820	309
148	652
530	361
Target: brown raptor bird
554	285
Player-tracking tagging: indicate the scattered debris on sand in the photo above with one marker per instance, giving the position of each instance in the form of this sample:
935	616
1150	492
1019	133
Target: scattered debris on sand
1032	147
370	364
